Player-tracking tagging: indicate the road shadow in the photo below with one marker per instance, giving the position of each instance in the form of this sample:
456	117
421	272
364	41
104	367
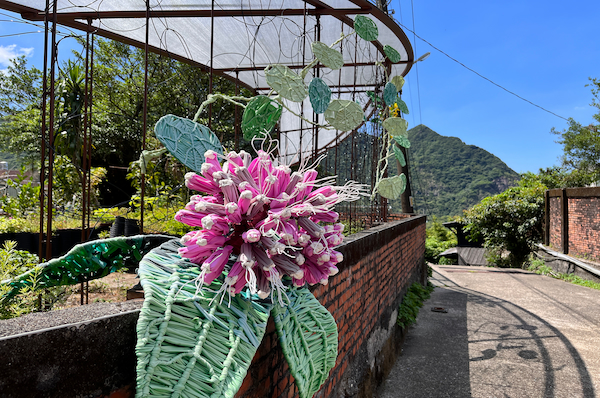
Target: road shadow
484	346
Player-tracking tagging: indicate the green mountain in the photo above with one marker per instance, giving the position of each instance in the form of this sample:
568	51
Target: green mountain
448	176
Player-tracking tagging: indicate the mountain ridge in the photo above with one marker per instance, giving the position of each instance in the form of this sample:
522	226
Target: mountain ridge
449	176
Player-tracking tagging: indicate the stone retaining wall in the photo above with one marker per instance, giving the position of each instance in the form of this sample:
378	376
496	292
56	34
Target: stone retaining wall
96	358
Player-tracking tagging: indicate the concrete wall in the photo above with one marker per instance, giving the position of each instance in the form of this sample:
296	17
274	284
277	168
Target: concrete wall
573	222
96	358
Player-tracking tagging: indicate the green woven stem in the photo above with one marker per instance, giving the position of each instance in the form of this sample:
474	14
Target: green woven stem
187	345
309	339
87	261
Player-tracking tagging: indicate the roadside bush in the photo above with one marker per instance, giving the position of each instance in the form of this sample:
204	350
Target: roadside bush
439	239
16	262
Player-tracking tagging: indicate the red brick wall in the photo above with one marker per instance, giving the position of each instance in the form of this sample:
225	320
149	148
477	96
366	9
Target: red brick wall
584	228
555	224
379	265
583	215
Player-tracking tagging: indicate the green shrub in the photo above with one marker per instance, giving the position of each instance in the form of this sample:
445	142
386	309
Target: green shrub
412	301
16	262
439	239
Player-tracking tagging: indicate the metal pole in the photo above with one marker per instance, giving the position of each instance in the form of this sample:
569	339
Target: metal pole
51	135
43	136
145	115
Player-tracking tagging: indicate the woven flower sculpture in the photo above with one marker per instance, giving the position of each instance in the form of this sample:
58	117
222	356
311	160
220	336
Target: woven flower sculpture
266	218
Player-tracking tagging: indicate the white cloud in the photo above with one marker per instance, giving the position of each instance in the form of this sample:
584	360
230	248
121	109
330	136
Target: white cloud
12	51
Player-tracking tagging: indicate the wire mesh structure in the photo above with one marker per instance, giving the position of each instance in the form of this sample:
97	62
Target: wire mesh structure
236	40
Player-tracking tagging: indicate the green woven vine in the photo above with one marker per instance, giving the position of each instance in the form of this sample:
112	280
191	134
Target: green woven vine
87	261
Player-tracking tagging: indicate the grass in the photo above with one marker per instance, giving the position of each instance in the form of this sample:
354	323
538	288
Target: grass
539	267
412	302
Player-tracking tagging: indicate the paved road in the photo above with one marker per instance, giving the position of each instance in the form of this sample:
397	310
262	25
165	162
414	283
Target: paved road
507	334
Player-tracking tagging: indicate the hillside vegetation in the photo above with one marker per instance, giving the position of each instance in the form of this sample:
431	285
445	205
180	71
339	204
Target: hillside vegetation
449	176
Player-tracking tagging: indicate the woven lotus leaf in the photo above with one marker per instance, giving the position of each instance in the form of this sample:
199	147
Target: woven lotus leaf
191	345
402	106
186	140
319	94
365	28
260	116
329	57
402	141
390	94
308	337
396	126
392	54
344	115
399	156
398	82
287	83
392	187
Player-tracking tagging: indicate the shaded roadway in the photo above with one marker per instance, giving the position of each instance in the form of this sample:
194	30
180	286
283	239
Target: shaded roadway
506	333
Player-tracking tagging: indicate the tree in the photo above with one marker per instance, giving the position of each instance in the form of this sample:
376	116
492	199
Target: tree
20	109
581	144
510	223
559	177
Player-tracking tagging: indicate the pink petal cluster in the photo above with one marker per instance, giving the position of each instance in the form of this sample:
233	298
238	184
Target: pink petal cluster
264	216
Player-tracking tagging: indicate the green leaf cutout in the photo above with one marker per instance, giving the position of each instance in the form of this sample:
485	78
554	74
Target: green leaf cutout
390	94
402	106
260	116
365	28
309	339
399	156
188	342
375	99
392	54
287	83
186	140
392	187
319	94
344	115
329	57
402	141
395	126
398	81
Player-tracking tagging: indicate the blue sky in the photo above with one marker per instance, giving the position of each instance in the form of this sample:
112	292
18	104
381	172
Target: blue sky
543	51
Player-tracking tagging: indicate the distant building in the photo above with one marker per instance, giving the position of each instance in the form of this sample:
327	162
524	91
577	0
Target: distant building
465	252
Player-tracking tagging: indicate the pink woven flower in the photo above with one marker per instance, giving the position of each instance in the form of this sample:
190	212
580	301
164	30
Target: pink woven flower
266	219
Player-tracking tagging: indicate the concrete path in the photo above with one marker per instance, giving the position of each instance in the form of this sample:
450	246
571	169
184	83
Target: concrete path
506	333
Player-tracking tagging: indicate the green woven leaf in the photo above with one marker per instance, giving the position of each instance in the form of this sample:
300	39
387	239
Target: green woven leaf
398	81
309	339
399	156
319	94
329	57
260	116
344	115
390	94
287	83
187	345
187	140
395	126
365	28
392	54
87	261
402	141
402	106
392	187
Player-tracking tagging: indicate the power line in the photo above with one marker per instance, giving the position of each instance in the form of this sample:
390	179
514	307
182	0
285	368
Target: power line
480	75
